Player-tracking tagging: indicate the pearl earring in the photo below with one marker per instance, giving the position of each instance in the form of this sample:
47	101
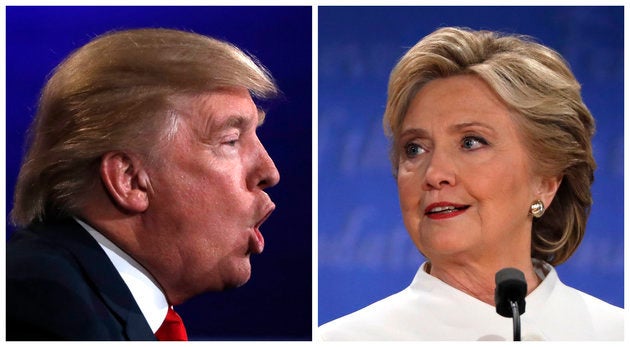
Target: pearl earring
537	209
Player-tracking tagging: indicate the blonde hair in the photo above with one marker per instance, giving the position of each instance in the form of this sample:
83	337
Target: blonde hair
538	85
118	93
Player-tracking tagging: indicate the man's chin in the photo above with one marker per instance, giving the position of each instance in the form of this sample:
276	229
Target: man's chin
235	284
238	278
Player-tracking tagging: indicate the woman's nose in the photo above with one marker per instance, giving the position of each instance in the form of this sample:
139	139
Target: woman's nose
440	171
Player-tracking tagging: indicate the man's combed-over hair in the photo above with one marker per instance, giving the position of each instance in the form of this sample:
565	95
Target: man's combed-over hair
117	93
537	84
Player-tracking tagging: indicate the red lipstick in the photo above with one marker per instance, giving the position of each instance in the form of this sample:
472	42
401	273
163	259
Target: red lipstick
444	209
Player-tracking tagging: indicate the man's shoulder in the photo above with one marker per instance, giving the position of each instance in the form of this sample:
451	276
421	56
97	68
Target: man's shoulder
42	248
42	257
55	291
49	232
56	262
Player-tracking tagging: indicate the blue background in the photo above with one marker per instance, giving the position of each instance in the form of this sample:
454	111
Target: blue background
365	253
277	302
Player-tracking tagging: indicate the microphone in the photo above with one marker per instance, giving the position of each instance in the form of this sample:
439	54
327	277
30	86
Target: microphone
509	296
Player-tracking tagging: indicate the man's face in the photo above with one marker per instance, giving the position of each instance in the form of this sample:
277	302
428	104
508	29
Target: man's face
206	198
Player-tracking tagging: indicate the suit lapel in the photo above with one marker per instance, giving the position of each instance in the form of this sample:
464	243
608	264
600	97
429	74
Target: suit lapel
106	279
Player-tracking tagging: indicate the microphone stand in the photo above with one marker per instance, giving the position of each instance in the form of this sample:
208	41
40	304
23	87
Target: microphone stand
509	297
516	321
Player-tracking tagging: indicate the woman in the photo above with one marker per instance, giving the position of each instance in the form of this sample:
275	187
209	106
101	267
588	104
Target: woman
491	150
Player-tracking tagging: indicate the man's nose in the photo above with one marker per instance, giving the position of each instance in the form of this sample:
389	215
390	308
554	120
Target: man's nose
266	174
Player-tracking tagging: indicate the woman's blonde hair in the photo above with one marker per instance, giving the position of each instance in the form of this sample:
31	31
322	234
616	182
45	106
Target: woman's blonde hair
538	85
118	93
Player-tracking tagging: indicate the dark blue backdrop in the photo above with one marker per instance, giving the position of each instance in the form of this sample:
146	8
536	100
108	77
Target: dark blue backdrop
277	302
364	251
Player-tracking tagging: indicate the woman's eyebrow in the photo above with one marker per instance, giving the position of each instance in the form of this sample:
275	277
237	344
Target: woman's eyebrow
455	128
462	126
415	132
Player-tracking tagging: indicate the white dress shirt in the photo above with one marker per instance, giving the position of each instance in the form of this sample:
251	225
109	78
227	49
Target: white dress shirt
430	309
143	287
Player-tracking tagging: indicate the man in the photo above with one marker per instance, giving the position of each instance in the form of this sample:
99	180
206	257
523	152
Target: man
142	187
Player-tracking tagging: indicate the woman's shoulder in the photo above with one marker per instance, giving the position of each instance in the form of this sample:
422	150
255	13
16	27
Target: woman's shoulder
591	303
599	308
411	314
367	323
607	319
603	320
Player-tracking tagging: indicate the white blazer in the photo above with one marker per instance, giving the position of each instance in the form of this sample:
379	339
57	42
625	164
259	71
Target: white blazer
429	309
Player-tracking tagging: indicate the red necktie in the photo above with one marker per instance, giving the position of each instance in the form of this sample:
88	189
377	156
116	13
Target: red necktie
172	329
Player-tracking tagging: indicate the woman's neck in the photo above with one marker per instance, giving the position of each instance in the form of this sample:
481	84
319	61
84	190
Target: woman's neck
479	281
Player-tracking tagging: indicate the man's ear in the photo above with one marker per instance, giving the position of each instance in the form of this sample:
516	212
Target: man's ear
125	180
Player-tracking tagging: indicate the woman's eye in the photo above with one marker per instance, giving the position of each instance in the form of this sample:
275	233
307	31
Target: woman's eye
473	142
413	149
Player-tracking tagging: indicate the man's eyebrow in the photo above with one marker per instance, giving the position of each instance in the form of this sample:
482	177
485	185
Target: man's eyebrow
236	120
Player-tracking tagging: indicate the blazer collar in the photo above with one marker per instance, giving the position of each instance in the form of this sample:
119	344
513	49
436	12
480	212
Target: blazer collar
99	269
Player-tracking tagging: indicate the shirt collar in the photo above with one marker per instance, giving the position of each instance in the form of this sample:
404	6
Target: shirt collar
143	287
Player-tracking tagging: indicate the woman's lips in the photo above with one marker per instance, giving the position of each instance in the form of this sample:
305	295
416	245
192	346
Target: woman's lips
444	209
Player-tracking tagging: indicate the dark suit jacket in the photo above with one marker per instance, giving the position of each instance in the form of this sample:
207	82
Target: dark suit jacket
62	286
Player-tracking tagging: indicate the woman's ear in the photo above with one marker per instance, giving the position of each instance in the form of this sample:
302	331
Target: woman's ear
547	189
125	181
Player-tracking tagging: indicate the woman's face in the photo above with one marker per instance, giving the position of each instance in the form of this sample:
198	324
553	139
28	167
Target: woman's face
465	179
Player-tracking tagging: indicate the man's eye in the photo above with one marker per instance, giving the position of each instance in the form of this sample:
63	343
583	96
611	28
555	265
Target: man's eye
231	140
413	149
